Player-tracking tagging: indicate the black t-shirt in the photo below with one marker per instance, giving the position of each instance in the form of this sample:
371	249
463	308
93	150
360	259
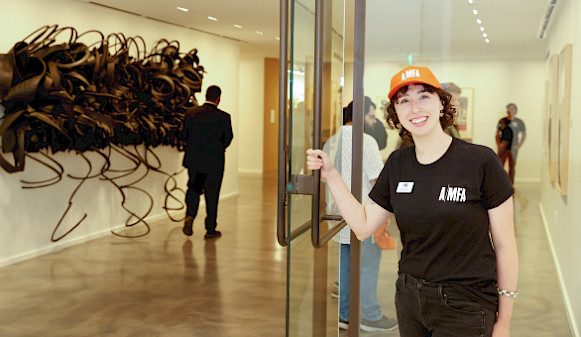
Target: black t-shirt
507	135
441	212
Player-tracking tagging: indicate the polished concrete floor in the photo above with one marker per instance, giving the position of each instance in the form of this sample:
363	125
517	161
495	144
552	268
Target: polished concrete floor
165	284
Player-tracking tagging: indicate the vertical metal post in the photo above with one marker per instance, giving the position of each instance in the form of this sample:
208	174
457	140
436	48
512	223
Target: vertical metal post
317	105
357	168
282	134
319	304
282	167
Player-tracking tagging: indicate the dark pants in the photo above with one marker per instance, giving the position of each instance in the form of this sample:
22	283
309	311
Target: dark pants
208	184
507	155
427	309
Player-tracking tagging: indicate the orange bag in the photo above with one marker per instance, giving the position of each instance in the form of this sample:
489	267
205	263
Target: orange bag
383	238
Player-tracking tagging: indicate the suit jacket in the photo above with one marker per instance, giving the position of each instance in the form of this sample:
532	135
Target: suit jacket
207	134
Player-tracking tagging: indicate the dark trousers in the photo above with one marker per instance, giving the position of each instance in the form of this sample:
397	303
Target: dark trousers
208	184
427	309
507	155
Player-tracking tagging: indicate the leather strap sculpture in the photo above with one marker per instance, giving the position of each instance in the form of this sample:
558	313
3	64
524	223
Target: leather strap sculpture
60	94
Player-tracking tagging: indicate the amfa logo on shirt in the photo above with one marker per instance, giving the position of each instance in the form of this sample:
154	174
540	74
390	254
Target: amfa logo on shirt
454	194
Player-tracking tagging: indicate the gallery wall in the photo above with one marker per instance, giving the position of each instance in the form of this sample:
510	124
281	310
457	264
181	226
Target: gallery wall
561	213
251	115
28	217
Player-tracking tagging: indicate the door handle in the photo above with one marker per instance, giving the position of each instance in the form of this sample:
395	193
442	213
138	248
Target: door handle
316	219
309	185
281	223
300	184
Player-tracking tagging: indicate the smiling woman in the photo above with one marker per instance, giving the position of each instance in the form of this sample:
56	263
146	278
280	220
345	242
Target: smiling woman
461	205
414	110
418	103
418	109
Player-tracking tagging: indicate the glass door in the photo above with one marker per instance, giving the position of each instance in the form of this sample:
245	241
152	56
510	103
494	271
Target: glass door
477	54
311	85
470	44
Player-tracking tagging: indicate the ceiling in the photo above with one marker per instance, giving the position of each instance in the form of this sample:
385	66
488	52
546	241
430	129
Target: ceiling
395	28
448	29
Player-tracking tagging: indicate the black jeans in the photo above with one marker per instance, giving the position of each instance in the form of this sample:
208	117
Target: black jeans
208	184
437	309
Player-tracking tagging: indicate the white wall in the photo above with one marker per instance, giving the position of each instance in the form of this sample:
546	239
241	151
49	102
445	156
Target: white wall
561	215
28	217
251	115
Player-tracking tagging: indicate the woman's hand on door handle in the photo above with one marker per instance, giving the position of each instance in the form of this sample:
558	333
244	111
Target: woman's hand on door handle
319	160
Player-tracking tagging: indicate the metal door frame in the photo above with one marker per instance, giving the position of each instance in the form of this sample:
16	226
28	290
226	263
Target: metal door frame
311	184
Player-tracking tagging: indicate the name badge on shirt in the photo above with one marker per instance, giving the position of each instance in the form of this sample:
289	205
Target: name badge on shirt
404	187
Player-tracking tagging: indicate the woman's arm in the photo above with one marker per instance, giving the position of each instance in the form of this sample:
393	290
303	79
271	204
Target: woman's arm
503	238
363	220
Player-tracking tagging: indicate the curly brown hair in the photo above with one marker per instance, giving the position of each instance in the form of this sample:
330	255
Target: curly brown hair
446	119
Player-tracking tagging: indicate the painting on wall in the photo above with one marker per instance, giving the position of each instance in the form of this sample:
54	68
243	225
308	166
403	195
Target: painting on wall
547	120
564	104
465	114
552	126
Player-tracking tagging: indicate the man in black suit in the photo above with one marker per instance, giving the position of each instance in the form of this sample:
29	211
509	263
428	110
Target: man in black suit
207	134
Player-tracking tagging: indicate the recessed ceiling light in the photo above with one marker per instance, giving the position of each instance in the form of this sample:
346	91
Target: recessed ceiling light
478	21
182	9
481	29
484	35
487	41
475	12
470	1
238	26
212	18
259	32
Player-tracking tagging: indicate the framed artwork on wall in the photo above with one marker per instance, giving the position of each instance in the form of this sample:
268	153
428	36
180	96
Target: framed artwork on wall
465	114
547	121
564	104
553	125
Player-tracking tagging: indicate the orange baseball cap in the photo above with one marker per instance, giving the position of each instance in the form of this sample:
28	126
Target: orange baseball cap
412	75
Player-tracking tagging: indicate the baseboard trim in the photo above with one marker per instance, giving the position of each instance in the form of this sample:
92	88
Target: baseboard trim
65	244
57	246
527	181
569	309
250	173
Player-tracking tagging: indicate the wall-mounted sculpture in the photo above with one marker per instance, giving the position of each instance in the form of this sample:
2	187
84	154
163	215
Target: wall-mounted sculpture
64	91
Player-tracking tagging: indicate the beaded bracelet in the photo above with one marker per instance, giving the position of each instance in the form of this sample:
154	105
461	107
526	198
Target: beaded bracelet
512	294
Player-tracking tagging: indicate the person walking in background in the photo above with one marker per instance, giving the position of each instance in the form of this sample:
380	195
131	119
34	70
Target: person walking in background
339	148
518	128
206	135
453	205
504	140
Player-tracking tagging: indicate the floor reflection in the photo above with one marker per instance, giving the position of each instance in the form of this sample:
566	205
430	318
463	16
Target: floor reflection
168	285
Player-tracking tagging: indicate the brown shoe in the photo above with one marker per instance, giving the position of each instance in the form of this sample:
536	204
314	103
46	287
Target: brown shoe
188	226
213	235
